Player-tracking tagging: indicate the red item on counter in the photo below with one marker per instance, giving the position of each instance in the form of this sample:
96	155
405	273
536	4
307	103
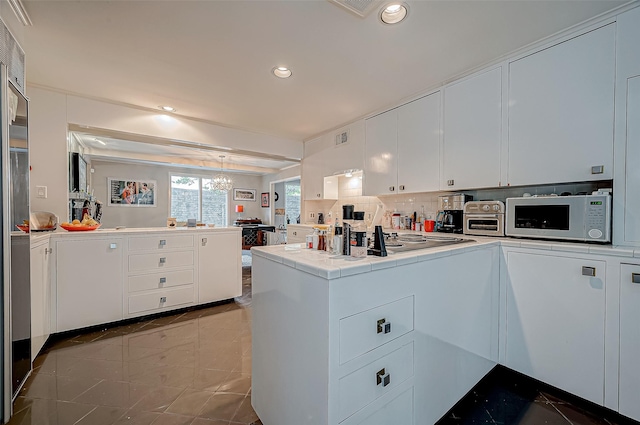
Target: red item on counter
429	225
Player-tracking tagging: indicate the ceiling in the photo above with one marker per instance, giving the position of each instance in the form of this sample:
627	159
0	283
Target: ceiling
211	60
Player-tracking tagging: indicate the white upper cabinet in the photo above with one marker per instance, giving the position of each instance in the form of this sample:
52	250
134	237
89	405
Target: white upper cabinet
472	132
419	145
626	182
402	148
380	166
561	111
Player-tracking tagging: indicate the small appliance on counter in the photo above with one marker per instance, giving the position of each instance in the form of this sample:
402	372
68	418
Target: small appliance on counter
484	218
584	218
450	212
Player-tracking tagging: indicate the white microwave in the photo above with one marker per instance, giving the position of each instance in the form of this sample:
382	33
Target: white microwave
585	218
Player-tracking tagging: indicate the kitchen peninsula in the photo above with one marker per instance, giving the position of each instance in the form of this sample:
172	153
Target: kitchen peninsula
105	276
401	339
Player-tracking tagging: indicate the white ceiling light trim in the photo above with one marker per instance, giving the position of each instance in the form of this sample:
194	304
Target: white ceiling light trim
281	72
394	13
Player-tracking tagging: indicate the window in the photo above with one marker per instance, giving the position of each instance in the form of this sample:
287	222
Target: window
192	197
292	200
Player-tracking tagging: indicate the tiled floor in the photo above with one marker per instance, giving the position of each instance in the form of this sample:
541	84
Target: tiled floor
190	368
194	368
506	397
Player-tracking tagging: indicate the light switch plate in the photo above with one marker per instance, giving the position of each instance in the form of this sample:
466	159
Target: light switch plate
41	191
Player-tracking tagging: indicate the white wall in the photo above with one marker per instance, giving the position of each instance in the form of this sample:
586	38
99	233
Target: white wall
118	215
51	112
288	174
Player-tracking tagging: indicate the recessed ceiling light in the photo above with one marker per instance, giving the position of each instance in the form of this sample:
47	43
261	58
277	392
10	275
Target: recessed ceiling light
167	108
281	72
394	13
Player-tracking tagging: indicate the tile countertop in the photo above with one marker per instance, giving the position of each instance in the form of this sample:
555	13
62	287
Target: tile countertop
60	232
330	266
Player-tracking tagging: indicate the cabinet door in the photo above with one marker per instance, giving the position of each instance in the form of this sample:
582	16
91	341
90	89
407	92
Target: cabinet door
419	145
555	322
629	341
561	111
89	282
40	297
632	178
472	132
380	164
219	266
313	178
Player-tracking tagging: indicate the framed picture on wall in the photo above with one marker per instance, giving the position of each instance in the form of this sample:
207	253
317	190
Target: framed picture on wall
264	199
132	193
244	194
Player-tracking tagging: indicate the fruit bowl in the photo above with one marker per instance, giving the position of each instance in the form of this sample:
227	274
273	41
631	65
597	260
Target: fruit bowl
23	227
78	227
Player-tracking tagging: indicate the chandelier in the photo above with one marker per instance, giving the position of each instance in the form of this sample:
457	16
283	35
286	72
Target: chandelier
221	182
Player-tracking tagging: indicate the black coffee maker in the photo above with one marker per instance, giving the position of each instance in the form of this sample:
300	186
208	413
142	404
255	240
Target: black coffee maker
450	212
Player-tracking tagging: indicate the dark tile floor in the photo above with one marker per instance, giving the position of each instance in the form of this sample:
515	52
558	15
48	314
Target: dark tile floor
506	397
194	368
190	368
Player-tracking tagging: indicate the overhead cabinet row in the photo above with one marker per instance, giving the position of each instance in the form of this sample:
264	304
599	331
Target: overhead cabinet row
546	117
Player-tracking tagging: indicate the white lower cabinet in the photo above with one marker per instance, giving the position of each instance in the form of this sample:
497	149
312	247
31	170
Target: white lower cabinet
397	411
89	282
160	273
40	296
629	402
219	267
555	321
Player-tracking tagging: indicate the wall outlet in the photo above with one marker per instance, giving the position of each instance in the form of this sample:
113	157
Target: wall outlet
312	215
41	191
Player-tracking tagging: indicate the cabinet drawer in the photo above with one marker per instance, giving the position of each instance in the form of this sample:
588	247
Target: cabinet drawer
366	384
160	280
159	261
147	243
161	300
397	411
370	329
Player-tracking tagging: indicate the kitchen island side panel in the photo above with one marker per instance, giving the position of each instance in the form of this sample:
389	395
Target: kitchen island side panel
290	332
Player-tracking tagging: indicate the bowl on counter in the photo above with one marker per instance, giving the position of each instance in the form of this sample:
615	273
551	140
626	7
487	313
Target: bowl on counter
78	227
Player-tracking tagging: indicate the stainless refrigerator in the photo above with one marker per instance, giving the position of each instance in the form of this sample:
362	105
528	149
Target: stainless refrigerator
16	300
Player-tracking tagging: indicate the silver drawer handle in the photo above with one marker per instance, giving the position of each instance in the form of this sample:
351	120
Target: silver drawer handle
204	241
163	242
382	326
392	188
163	299
401	187
450	182
635	277
383	378
163	260
588	271
163	280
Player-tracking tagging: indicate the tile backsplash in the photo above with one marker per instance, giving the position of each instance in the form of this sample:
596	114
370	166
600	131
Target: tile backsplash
350	192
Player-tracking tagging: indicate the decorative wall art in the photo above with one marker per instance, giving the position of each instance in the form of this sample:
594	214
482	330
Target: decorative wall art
132	193
264	199
244	194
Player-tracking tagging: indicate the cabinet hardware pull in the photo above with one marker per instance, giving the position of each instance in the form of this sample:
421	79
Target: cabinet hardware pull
588	271
383	326
450	182
163	299
48	250
204	241
392	188
163	242
163	280
635	277
597	169
163	260
383	378
113	246
401	187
